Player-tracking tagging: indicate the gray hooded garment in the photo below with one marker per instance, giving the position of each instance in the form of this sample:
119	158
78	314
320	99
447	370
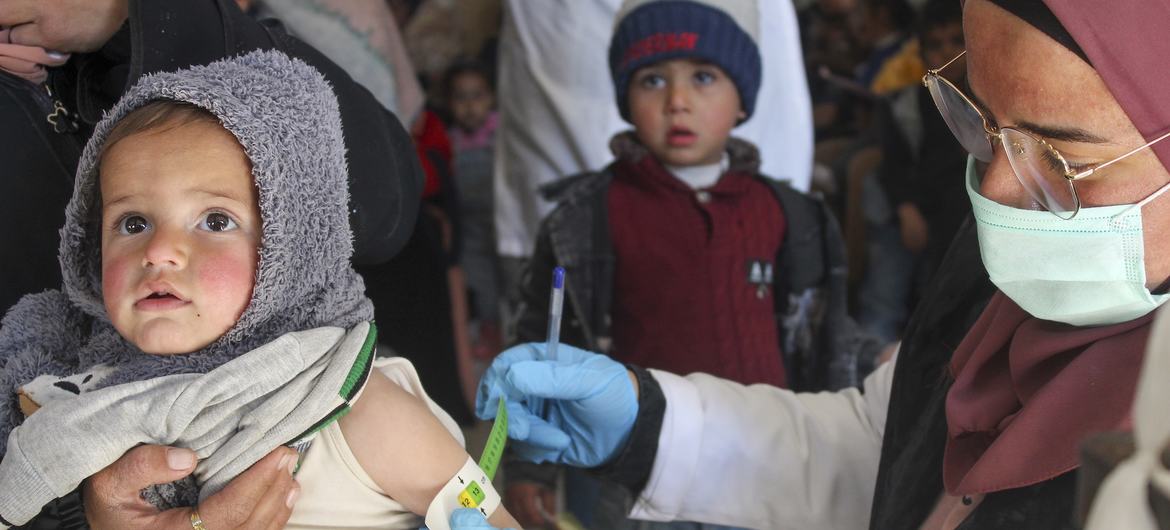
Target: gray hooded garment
285	116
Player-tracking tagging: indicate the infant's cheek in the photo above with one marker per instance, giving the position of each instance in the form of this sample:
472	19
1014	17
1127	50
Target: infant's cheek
228	280
114	280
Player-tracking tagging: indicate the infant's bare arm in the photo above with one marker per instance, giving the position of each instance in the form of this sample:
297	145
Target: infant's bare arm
404	448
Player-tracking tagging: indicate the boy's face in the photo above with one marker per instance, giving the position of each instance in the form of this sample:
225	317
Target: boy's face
471	101
941	44
180	233
683	110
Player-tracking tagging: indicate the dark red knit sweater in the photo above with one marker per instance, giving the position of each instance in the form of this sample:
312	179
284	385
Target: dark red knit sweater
685	299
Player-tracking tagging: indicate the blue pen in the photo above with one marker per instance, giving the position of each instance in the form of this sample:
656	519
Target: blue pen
556	302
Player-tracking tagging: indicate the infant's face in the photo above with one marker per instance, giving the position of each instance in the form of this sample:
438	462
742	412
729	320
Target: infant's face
180	234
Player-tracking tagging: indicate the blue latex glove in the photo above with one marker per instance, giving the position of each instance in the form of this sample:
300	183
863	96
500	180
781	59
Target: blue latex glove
577	410
469	519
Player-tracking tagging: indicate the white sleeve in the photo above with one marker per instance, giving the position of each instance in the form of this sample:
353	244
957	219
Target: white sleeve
762	457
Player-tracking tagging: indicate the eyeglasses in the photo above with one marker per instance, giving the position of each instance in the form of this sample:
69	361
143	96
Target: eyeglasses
1040	168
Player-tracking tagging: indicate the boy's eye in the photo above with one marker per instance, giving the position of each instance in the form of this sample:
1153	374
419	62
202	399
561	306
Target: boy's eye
218	222
705	78
132	224
652	81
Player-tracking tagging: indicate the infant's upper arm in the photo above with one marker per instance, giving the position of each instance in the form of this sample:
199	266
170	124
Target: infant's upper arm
401	444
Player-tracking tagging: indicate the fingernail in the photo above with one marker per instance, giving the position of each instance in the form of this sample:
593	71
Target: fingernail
180	459
292	497
56	56
288	463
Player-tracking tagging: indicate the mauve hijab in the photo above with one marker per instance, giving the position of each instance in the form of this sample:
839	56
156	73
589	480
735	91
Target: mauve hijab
1026	391
1126	42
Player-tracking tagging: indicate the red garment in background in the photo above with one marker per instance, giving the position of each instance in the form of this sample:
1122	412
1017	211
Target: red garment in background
434	152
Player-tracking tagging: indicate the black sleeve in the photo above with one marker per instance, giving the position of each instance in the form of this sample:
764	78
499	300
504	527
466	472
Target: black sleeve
448	202
384	173
633	463
894	174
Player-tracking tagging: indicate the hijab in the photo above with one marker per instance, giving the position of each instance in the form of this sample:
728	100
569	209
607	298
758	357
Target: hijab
1026	391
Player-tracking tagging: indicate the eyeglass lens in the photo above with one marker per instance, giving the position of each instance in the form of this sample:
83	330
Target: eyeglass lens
1035	165
963	120
1040	172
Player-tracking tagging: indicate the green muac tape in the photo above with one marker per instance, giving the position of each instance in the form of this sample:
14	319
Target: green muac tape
497	439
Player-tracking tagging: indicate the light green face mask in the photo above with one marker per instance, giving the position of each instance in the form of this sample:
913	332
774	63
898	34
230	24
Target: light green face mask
1085	271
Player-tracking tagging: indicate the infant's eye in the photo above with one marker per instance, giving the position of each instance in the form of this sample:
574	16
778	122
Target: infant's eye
132	224
218	222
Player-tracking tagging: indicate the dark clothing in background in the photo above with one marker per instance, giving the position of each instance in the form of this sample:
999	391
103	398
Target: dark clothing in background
474	181
36	181
923	164
435	155
414	319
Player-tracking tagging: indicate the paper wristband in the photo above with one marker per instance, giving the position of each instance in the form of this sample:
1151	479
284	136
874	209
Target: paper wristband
469	488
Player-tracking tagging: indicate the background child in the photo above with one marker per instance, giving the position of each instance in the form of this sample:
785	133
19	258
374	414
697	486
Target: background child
472	102
680	255
209	303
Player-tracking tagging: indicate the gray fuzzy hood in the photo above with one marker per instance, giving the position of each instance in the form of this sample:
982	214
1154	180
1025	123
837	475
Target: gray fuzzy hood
285	115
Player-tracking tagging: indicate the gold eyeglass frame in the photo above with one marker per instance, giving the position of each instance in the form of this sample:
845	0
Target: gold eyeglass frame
996	133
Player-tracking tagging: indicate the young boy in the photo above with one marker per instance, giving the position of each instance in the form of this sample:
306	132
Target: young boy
680	255
209	303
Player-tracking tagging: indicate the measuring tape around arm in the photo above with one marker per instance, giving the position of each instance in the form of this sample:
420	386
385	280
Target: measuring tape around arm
472	486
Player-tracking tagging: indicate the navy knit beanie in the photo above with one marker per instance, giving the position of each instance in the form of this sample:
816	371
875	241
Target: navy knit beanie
648	32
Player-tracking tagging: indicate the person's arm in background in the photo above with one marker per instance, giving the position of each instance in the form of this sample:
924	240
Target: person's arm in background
706	449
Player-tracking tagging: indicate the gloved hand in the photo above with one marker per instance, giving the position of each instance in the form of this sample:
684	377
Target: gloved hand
469	519
577	410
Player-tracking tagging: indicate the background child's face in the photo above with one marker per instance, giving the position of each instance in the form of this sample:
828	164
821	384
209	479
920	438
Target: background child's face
471	100
941	44
180	233
683	110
